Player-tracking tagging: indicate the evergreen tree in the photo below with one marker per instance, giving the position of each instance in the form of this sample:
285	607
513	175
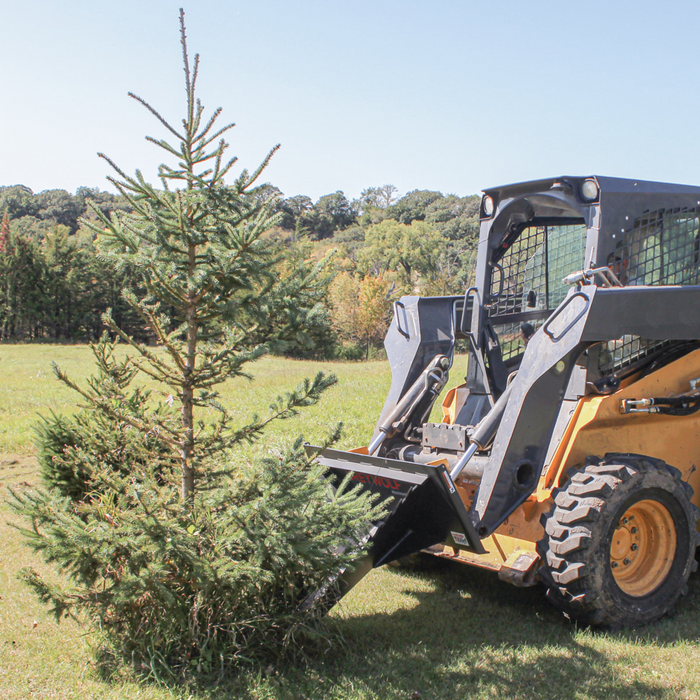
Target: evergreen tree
291	315
4	230
198	244
22	275
183	557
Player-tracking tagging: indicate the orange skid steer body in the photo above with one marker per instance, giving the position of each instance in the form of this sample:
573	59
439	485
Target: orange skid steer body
568	454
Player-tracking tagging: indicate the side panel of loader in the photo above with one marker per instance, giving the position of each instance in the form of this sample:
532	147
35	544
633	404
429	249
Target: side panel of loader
600	427
596	428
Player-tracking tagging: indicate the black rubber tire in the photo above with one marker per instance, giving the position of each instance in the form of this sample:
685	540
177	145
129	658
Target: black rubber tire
575	550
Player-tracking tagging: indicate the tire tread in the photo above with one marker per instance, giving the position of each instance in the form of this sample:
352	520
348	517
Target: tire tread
570	530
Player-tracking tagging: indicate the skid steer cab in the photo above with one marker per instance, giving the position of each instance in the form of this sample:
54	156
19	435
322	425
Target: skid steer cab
568	449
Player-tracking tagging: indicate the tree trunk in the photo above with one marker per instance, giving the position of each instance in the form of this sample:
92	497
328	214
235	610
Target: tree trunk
187	450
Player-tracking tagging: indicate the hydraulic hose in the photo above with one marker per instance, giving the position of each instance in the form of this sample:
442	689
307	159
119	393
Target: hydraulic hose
684	405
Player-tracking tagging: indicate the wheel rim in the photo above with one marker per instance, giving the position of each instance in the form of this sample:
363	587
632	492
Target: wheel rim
643	547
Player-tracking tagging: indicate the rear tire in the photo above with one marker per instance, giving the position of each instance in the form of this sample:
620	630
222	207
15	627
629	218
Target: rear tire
620	543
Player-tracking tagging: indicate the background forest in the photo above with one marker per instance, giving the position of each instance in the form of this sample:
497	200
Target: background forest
362	254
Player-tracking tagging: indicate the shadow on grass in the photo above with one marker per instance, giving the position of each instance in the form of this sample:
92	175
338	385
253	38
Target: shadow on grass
474	636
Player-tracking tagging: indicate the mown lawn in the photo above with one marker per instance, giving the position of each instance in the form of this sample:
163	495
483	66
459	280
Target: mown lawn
438	631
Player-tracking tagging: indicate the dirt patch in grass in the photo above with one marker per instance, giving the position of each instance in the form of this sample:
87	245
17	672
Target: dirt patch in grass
18	470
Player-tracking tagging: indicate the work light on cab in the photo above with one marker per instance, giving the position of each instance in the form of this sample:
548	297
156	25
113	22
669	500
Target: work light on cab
589	190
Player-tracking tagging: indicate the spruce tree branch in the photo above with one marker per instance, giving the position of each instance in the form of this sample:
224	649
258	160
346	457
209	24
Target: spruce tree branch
201	178
218	133
257	172
131	238
223	172
226	365
217	168
306	394
103	405
115	167
165	284
168	375
211	444
217	154
164	340
197	119
156	115
128	195
193	104
201	136
155	373
163	144
208	288
185	56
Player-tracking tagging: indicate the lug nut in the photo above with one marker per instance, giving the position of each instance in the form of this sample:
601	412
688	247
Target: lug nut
634	547
627	561
634	531
625	520
614	565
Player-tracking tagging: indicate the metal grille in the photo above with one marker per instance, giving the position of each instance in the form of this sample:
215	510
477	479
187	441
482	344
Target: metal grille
617	354
528	277
508	277
662	248
510	340
566	251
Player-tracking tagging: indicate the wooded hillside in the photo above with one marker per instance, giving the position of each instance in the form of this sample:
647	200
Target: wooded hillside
55	285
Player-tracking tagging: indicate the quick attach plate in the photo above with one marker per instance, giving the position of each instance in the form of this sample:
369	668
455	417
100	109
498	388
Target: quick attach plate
445	436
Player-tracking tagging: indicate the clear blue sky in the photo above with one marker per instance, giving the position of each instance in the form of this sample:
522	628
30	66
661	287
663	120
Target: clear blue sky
453	95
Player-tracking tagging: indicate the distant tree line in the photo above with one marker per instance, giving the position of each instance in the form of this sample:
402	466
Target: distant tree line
55	285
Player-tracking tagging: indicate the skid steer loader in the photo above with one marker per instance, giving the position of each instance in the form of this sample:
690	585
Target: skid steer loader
569	454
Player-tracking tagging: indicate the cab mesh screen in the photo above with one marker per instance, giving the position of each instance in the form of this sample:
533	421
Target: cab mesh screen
662	248
528	278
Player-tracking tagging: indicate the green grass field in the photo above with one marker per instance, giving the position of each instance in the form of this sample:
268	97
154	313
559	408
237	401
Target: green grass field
436	632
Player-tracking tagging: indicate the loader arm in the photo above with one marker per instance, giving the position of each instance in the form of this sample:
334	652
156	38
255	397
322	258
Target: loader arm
422	329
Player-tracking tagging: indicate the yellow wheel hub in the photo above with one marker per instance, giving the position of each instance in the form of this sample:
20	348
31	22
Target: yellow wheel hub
643	547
